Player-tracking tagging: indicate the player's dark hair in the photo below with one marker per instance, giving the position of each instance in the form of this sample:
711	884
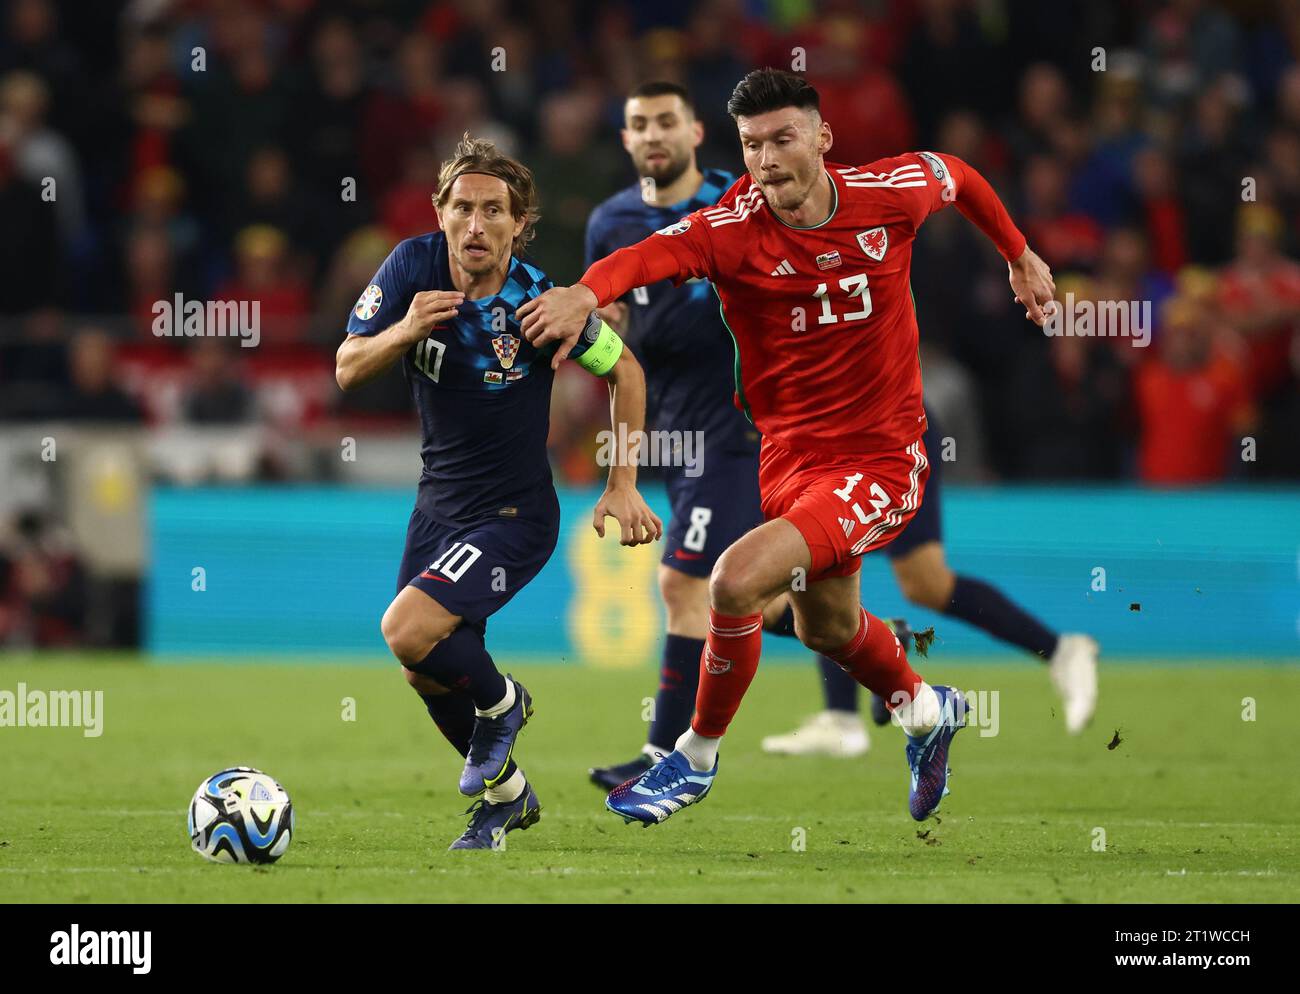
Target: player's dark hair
478	155
663	88
771	89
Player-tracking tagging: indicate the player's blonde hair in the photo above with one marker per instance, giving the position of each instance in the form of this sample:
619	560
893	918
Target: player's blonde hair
479	155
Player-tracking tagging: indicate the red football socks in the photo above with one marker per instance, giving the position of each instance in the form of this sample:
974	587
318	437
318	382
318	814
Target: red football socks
875	658
727	667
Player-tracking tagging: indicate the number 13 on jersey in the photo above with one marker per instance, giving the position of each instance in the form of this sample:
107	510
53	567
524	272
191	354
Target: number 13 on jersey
853	286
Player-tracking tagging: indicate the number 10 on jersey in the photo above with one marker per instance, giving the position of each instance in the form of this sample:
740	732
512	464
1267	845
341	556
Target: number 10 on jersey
426	350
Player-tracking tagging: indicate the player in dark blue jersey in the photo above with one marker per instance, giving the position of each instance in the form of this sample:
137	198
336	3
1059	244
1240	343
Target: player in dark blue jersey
688	355
486	516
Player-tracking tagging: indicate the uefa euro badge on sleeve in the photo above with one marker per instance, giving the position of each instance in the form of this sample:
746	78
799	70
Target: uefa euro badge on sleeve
506	347
368	303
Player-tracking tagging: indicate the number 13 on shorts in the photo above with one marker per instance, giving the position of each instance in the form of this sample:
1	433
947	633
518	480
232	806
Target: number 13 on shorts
878	499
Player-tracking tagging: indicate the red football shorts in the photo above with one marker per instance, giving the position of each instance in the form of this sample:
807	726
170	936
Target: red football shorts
843	506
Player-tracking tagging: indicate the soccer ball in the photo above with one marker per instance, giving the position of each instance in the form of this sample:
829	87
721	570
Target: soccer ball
240	815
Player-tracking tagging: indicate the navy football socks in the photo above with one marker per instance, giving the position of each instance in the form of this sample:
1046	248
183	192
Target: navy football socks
461	662
986	607
839	689
453	713
679	677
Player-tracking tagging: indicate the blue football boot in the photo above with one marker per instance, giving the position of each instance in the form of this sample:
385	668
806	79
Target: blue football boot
927	756
493	742
660	791
489	823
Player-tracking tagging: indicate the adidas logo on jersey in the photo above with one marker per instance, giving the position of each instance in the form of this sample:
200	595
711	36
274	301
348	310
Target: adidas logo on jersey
785	269
847	525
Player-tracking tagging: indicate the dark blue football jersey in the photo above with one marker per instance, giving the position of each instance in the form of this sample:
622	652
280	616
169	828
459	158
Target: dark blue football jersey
677	333
483	393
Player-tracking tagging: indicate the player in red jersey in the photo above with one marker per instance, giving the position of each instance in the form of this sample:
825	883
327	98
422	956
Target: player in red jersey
811	261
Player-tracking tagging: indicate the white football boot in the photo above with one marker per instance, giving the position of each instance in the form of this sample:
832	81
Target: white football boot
1074	674
841	734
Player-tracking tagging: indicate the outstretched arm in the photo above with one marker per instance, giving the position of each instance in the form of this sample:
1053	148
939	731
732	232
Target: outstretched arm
1030	278
560	314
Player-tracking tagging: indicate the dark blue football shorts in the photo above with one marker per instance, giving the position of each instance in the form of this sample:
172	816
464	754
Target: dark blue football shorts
473	569
712	510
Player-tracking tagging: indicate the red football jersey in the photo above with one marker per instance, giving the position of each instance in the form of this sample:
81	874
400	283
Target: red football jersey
822	316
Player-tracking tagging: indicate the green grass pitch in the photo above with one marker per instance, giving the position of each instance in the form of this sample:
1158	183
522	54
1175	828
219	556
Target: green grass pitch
1196	804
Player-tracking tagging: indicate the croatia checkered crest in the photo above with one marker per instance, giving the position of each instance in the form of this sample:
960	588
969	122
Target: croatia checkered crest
506	347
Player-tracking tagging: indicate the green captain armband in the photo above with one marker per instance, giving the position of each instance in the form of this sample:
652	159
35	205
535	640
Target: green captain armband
603	347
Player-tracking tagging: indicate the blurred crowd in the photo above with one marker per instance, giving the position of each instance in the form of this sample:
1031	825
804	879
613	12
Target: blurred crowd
275	150
43	596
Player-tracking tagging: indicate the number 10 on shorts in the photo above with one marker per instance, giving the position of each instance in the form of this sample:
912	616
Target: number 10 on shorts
455	561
